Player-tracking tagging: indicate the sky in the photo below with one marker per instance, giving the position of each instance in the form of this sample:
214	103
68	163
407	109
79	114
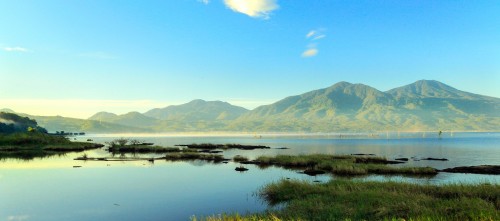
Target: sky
75	58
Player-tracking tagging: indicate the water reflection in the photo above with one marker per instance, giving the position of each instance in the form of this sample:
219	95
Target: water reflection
49	188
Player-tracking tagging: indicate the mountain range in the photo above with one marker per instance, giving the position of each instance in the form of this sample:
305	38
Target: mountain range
343	107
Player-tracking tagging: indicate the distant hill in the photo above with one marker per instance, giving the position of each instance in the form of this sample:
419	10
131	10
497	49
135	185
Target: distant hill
10	123
58	123
198	110
7	110
132	119
425	105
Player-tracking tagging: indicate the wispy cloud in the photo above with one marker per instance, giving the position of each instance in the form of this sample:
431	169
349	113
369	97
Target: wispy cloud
253	8
15	49
98	55
310	52
313	37
204	1
18	218
316	34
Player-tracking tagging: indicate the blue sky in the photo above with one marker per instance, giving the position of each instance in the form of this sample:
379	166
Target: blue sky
74	58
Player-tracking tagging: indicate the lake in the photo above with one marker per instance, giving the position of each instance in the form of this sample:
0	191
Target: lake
51	189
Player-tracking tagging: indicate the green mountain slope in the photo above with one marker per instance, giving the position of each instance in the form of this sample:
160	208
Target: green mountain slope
132	119
423	105
198	110
420	106
58	123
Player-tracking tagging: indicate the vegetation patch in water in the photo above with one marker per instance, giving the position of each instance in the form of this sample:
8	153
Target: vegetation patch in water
210	146
28	145
358	200
342	164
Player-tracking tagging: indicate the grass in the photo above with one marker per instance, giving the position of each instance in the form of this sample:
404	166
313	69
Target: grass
194	156
342	164
358	200
31	138
143	149
28	145
341	199
239	158
210	146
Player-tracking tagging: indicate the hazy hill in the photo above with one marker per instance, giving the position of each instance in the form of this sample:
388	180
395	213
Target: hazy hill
102	116
423	105
58	123
198	110
132	119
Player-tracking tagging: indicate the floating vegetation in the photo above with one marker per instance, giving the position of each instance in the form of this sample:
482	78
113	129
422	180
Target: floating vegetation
342	164
210	146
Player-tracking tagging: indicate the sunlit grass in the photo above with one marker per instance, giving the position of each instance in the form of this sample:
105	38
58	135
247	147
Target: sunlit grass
358	200
342	164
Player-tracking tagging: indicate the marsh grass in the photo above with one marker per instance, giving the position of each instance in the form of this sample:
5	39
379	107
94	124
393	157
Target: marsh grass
210	146
239	158
342	164
357	200
238	217
31	138
193	156
143	149
29	145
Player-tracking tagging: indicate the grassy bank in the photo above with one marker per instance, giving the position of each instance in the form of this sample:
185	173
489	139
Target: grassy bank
357	200
28	145
143	149
210	146
342	164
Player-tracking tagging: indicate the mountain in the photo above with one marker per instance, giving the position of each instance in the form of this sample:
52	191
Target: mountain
423	105
58	123
102	116
10	123
7	110
198	110
132	119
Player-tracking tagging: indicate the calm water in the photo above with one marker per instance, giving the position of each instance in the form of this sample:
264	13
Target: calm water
51	189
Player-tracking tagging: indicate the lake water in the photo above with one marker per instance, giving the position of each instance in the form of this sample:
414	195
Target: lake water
51	189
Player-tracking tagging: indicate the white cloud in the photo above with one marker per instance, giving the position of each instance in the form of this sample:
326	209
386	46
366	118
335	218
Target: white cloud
15	49
253	8
18	218
313	37
316	34
319	37
310	52
204	1
310	34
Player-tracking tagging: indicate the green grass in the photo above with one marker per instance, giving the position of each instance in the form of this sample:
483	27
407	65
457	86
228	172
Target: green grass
143	149
31	138
29	145
194	156
239	158
341	199
210	146
342	164
358	200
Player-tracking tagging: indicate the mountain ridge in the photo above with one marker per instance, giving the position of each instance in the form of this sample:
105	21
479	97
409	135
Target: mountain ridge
343	106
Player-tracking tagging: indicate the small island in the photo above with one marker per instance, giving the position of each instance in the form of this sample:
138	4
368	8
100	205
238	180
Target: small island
21	137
